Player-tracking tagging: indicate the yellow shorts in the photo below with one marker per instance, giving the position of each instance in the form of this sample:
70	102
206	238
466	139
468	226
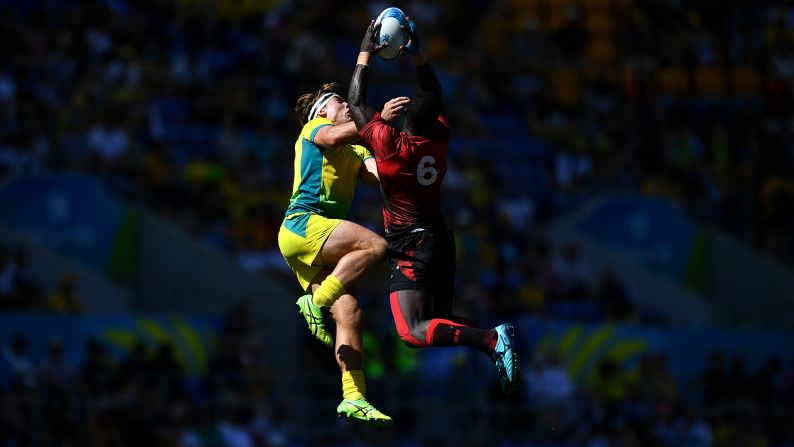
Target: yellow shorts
300	239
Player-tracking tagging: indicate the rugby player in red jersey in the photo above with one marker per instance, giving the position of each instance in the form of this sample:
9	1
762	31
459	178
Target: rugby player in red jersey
421	248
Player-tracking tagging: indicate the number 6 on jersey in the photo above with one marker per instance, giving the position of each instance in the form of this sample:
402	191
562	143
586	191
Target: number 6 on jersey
426	173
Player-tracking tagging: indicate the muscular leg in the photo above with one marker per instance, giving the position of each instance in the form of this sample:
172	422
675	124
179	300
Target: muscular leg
349	354
353	250
348	317
417	326
349	347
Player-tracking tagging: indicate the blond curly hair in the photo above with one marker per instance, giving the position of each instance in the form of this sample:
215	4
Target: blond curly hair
305	102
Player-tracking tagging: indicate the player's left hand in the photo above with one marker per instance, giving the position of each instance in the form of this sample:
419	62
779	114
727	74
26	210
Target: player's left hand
412	46
394	107
370	43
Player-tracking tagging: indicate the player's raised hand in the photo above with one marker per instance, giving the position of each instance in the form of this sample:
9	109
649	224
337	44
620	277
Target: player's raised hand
412	46
370	43
394	107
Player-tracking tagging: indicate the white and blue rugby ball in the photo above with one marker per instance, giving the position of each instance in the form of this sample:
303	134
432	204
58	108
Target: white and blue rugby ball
391	19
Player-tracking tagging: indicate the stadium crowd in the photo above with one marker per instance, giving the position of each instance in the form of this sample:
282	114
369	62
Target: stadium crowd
185	107
19	290
145	398
189	110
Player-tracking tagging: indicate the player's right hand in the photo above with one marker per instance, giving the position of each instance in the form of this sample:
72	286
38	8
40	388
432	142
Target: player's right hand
370	42
394	107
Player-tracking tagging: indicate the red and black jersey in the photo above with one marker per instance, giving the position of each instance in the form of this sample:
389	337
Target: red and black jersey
411	169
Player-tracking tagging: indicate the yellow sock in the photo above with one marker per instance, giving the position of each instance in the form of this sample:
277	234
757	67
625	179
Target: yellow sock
353	385
329	291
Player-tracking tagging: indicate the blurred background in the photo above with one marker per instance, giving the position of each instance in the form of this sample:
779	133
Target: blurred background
620	184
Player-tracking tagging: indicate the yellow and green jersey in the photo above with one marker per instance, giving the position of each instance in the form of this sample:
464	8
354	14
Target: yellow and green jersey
325	180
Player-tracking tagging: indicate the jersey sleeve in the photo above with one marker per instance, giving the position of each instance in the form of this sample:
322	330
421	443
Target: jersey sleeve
310	129
378	135
362	152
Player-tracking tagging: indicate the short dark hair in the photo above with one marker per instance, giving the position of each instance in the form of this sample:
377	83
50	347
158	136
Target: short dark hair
305	102
423	110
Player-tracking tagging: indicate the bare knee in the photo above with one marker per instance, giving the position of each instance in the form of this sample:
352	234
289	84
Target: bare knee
347	312
377	246
381	246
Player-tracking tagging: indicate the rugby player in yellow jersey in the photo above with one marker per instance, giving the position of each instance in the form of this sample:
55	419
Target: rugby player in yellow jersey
328	253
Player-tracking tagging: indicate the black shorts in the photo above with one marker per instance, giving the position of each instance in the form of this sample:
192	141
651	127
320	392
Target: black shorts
423	260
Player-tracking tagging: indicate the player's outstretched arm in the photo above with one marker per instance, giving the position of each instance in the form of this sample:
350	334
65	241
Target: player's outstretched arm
357	95
428	81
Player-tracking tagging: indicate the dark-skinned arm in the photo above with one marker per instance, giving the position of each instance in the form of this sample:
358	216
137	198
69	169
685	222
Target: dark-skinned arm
357	94
428	81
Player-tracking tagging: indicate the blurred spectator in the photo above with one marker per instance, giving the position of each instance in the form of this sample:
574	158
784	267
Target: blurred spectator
610	387
614	298
18	290
135	367
58	386
695	431
572	36
6	278
572	272
549	382
107	140
777	200
664	385
237	363
715	381
233	427
165	372
653	386
16	363
54	372
203	431
684	428
97	371
18	414
231	145
787	385
26	288
764	382
541	269
64	299
740	383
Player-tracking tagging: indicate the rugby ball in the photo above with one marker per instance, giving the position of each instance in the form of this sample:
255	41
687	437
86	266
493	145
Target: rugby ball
390	32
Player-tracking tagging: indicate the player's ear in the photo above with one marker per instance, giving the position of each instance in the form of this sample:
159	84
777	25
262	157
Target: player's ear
323	112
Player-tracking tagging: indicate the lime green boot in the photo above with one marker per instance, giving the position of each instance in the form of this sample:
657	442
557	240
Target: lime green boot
314	318
363	411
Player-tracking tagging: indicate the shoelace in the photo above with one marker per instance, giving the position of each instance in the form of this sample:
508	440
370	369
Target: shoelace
500	355
314	322
363	410
507	344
